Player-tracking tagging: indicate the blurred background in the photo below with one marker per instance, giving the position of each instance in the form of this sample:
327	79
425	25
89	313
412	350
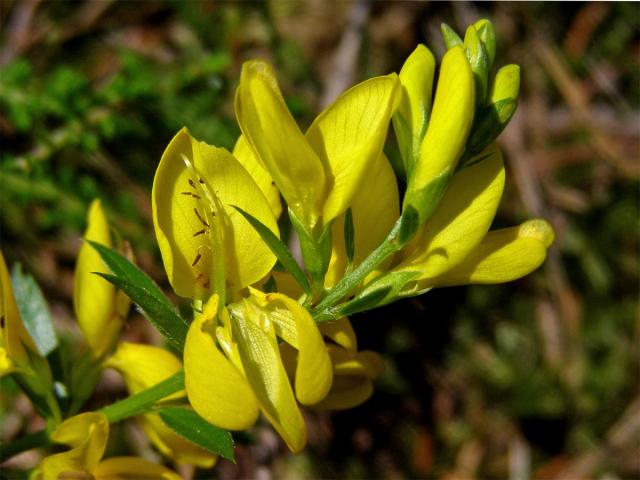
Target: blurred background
533	379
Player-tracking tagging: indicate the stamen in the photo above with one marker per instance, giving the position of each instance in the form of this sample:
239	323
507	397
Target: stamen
198	256
200	232
200	218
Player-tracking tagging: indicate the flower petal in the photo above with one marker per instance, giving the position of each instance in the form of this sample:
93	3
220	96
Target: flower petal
248	159
265	372
349	135
144	366
346	392
341	332
184	213
93	296
411	119
272	132
461	220
87	434
504	255
132	468
374	209
216	389
293	323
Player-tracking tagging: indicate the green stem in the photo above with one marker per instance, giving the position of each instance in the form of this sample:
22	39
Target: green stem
141	402
387	248
28	442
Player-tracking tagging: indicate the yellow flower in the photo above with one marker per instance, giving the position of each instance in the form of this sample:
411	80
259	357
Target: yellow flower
455	245
87	435
142	367
99	306
228	385
16	345
206	245
447	127
319	172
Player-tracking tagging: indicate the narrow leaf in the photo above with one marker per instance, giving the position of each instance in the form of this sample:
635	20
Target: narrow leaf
193	427
142	401
349	236
145	293
34	310
450	37
279	249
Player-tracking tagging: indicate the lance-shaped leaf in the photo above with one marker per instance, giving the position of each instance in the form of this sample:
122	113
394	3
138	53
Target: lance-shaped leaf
34	310
449	126
279	249
349	135
197	430
145	293
279	144
194	186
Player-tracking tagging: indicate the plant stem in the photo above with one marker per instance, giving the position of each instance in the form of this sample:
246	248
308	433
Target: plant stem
387	248
28	442
141	402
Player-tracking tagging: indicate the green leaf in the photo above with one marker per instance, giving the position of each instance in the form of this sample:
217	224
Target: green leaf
349	236
143	401
279	249
365	302
450	37
315	248
34	310
193	427
145	293
479	62
487	35
491	122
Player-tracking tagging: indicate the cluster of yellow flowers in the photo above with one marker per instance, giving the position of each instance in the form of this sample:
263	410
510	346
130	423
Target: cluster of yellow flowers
268	336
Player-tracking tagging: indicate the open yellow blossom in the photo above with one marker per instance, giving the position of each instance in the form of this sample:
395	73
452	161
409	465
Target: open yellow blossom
87	435
207	245
249	373
319	172
142	367
99	306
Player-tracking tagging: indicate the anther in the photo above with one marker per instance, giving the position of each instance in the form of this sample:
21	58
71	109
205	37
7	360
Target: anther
200	218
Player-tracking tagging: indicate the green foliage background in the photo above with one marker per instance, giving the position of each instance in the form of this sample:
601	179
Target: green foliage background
535	377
